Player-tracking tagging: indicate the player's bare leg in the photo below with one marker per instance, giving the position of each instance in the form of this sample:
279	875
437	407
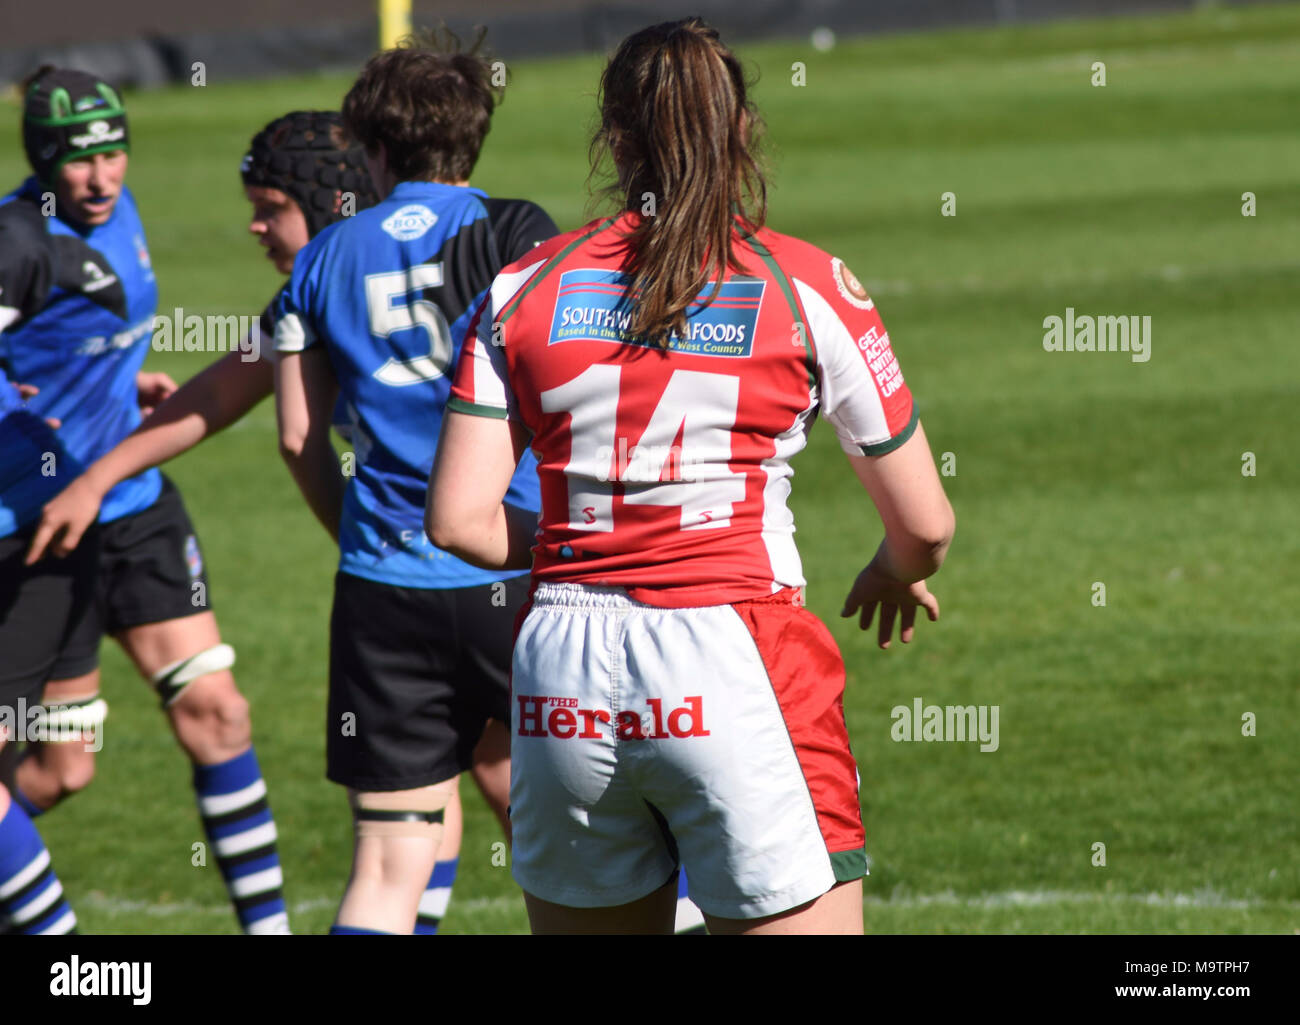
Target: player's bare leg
187	662
437	892
837	912
397	834
52	770
31	897
210	717
651	915
491	770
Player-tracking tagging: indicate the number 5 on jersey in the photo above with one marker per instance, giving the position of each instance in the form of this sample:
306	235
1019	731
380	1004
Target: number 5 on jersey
692	473
390	308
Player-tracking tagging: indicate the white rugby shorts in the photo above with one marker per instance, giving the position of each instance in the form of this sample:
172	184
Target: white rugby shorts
713	736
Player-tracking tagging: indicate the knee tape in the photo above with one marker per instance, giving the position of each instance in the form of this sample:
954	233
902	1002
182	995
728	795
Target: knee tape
416	813
171	680
67	720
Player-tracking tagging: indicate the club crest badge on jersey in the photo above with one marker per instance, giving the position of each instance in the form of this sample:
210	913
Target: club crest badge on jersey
141	252
193	557
409	222
849	286
591	306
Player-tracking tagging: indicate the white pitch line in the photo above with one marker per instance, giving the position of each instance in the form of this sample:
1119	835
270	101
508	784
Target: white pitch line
115	906
1047	898
1008	899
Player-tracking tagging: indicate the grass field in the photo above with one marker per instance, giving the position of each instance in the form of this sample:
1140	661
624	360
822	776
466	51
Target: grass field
1119	724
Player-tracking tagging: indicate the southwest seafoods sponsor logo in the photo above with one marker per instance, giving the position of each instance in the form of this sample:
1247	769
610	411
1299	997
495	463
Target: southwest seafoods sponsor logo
592	306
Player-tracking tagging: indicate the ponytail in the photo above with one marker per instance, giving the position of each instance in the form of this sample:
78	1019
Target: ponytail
683	138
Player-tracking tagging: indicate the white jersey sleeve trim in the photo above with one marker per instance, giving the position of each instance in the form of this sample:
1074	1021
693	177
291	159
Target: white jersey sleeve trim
8	315
293	334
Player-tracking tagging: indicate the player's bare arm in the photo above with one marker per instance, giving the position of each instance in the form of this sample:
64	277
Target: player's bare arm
904	485
207	403
305	390
464	513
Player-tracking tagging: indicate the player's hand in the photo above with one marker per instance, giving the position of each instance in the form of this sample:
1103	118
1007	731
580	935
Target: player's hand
875	587
26	391
152	389
64	520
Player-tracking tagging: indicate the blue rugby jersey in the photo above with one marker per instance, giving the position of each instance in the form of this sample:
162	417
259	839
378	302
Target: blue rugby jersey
76	318
34	466
389	293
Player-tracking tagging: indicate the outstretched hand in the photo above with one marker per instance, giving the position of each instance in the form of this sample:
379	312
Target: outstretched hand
64	520
875	587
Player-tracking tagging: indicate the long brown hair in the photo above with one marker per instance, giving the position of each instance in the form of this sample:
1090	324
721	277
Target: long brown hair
676	120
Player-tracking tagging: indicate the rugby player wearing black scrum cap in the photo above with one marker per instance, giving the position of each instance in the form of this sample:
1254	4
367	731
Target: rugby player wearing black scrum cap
79	297
300	176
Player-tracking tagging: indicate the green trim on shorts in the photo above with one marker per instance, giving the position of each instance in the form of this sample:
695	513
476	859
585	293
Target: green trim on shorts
849	865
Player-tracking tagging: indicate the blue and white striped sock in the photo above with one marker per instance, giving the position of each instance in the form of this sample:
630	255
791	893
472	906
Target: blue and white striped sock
689	918
237	820
355	930
31	896
434	900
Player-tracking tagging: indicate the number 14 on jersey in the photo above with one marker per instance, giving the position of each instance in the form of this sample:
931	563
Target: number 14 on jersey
681	458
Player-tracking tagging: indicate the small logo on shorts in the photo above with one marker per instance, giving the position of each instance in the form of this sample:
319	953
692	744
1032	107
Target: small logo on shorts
565	717
193	558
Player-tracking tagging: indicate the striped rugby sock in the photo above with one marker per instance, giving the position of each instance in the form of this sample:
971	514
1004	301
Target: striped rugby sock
23	802
690	920
355	930
238	823
434	900
31	896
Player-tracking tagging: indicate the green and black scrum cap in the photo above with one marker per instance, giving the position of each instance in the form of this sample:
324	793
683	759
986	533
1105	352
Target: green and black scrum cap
69	114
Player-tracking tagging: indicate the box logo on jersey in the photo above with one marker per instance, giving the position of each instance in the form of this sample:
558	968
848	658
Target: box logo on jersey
592	306
410	222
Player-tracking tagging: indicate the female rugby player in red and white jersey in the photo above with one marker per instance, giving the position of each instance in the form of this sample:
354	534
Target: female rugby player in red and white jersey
674	703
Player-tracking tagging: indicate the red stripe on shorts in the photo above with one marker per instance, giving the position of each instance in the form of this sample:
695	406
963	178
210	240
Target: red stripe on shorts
807	675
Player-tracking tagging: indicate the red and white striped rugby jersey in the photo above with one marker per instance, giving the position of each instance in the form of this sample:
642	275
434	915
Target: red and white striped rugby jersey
667	471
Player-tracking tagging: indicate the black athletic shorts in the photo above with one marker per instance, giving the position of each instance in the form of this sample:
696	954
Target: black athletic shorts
150	570
41	608
414	676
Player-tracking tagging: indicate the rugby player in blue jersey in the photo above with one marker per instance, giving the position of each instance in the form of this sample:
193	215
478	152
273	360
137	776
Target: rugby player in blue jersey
77	302
40	607
420	641
299	176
